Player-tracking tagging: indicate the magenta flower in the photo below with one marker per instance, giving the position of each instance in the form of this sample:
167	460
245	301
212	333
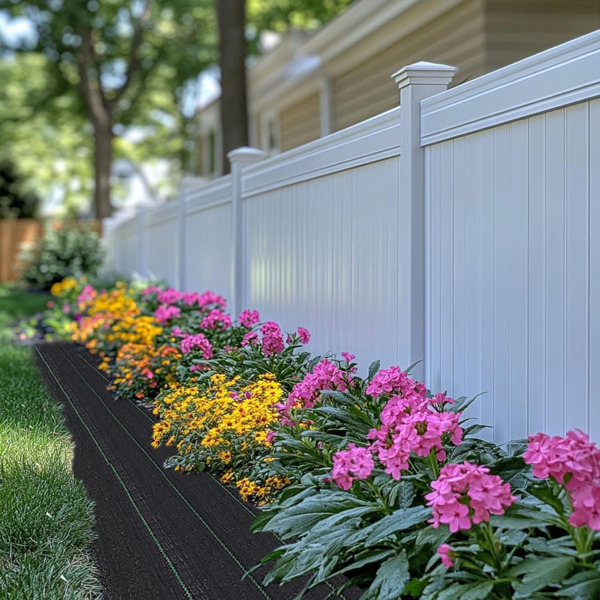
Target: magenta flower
149	374
248	318
354	463
87	293
445	551
168	296
573	461
466	494
216	318
304	335
165	313
198	341
250	339
272	340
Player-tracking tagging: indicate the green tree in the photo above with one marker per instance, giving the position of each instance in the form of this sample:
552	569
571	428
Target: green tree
16	201
121	63
281	15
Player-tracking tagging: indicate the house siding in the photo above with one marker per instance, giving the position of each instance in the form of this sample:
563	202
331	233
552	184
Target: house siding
455	38
300	123
516	29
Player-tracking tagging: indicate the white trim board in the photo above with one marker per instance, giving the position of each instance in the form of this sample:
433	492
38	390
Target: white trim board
373	140
563	75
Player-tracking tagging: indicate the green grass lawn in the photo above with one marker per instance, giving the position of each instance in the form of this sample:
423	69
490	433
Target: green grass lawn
45	518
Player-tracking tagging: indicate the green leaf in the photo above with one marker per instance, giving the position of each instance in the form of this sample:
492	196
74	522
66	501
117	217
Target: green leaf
373	368
539	573
391	578
583	586
399	520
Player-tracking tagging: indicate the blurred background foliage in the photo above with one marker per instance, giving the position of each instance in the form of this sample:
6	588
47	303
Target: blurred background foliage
141	58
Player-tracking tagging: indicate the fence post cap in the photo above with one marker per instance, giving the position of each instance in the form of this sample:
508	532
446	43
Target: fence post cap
424	73
246	155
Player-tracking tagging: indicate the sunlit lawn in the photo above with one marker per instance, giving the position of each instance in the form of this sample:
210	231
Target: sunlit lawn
45	517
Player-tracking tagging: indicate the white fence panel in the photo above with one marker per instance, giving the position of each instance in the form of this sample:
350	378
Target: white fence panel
208	238
125	250
322	242
161	238
514	268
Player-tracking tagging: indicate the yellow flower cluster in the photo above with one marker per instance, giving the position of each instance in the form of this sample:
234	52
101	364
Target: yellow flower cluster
222	425
68	284
102	312
250	490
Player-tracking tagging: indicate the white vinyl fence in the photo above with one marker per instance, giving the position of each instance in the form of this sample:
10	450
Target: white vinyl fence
461	229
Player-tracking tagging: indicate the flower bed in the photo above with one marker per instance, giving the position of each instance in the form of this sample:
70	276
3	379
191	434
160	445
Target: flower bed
375	478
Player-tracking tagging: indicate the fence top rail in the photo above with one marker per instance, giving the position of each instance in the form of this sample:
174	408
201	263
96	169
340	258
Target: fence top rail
372	140
557	77
164	212
205	196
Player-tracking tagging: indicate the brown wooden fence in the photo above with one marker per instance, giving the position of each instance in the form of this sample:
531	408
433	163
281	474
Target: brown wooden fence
16	232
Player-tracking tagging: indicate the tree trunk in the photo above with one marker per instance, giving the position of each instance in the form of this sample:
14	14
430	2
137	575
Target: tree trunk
103	138
231	16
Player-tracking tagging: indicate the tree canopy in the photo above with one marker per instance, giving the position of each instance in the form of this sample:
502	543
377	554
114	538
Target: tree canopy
97	69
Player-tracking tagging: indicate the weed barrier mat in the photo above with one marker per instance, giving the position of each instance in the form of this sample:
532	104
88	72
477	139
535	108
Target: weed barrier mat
161	535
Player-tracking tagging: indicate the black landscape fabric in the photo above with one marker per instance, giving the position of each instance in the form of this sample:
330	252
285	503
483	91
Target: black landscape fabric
161	535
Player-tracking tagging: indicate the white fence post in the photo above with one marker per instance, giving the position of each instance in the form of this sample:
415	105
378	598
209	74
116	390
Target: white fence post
416	82
239	158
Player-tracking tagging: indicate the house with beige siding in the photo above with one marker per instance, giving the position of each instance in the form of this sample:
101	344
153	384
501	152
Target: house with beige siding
311	85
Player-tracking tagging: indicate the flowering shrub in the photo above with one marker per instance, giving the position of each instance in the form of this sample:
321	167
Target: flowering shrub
223	429
374	478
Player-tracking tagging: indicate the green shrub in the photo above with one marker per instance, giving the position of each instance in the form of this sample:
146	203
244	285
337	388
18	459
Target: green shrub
61	253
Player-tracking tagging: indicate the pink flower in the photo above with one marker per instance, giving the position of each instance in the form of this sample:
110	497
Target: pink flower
151	290
250	339
576	461
348	357
444	551
165	313
354	463
87	293
50	304
66	308
325	375
215	318
149	374
394	381
168	296
248	318
272	341
211	299
197	341
466	494
304	335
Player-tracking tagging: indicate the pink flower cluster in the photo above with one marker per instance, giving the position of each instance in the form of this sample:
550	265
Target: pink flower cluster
210	299
354	463
214	318
306	393
411	423
394	381
272	340
248	318
303	335
168	296
87	293
165	313
573	461
151	290
467	494
198	340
